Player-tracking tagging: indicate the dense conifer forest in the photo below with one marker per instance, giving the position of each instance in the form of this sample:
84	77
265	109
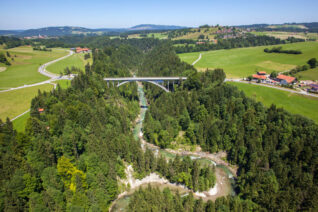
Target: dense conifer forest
72	154
275	150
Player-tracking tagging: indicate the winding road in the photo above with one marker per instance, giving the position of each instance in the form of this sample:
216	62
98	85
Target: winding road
42	70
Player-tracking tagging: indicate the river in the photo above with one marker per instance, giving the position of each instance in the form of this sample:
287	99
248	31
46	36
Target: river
224	172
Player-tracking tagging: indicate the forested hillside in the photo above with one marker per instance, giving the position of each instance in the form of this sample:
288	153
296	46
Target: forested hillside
275	150
76	147
152	199
73	153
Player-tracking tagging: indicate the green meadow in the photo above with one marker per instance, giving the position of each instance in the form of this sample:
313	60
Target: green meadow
311	74
293	103
25	63
242	62
18	101
19	123
63	83
76	60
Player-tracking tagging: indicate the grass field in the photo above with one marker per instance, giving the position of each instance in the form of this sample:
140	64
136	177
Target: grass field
242	62
195	33
24	68
19	123
159	35
63	83
293	103
285	35
16	102
282	26
76	60
311	74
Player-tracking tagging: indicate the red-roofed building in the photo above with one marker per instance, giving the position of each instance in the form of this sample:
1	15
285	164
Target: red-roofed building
283	79
261	77
261	73
41	110
79	50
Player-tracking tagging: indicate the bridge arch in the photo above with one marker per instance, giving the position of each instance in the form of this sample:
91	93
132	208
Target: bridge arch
152	82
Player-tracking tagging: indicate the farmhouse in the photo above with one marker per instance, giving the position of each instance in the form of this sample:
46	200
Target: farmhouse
285	80
259	77
85	50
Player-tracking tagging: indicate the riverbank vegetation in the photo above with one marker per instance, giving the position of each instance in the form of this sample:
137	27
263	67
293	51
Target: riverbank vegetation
150	199
218	116
77	139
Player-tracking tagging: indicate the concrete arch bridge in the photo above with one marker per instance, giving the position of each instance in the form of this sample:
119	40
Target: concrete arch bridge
162	82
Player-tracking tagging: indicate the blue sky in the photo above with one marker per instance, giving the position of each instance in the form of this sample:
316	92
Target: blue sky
25	14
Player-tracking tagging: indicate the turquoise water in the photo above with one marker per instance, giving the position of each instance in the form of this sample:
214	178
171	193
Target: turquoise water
122	204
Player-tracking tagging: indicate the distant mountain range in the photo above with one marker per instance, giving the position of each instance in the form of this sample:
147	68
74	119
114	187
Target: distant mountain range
69	30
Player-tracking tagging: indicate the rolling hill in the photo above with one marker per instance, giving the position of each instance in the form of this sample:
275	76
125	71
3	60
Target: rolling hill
72	30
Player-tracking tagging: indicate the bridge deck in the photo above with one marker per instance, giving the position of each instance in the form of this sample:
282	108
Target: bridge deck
143	78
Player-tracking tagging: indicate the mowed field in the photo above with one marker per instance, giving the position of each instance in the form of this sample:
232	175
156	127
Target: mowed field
311	74
293	103
242	62
20	123
285	35
15	102
76	60
195	33
25	64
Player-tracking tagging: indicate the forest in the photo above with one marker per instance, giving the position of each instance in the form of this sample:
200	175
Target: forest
11	42
240	42
279	49
74	150
152	199
72	154
275	150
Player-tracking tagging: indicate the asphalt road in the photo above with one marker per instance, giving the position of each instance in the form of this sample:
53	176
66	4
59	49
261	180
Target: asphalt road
42	70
